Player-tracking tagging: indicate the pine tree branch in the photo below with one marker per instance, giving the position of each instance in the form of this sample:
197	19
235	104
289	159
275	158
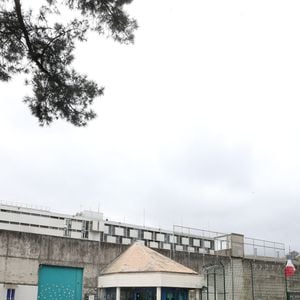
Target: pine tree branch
31	52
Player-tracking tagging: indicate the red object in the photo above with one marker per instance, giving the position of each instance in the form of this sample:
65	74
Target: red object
289	269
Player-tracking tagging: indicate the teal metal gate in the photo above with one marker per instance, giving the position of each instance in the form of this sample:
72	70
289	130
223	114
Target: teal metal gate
60	283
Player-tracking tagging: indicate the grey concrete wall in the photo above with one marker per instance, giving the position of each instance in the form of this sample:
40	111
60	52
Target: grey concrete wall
22	253
245	279
268	279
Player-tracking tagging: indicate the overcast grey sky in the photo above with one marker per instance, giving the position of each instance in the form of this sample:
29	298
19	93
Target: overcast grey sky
199	125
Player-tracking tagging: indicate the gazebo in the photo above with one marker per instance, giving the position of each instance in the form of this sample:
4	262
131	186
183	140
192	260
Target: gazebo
141	273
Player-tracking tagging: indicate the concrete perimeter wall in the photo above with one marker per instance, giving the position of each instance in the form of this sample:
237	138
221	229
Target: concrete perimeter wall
22	253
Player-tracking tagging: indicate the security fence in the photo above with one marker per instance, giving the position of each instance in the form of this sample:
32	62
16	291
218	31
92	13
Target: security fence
239	268
229	243
249	280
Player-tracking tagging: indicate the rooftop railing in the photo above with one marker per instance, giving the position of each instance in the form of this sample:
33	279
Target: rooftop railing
24	205
231	244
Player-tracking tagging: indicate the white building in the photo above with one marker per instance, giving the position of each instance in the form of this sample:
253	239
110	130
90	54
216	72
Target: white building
142	273
92	226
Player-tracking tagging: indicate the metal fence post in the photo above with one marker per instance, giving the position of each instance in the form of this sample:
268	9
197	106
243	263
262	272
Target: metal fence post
224	280
215	285
207	283
232	278
252	280
286	288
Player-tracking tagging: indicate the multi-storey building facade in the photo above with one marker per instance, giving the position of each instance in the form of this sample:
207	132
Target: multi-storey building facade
92	226
37	243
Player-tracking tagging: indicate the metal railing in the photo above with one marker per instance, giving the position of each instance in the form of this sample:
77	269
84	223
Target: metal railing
24	205
263	248
225	243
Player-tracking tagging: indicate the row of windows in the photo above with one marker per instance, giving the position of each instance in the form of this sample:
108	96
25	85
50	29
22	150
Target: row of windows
35	225
31	214
117	233
29	225
158	245
21	212
135	233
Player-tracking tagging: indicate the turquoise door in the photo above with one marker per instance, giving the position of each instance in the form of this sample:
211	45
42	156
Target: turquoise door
60	283
174	294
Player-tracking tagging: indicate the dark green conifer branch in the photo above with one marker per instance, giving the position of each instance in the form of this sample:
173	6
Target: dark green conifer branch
45	52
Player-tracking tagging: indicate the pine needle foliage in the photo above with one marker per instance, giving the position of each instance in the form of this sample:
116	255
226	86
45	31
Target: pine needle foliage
34	44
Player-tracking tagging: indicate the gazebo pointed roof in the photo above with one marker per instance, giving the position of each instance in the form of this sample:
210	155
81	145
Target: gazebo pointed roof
139	258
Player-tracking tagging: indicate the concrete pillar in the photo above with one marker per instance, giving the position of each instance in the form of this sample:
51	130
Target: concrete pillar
100	294
197	296
118	293
158	293
237	245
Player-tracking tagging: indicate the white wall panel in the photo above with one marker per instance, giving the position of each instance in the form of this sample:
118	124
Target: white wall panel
151	279
160	237
2	291
184	241
22	292
106	229
101	226
126	241
147	235
173	239
76	225
207	244
26	292
9	216
119	231
95	225
196	242
179	248
153	244
7	226
94	236
75	234
133	233
111	239
167	246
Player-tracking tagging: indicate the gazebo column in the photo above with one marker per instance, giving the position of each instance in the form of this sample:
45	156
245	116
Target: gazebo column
158	293
118	293
197	294
100	293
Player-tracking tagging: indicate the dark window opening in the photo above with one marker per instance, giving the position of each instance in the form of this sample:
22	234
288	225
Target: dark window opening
10	294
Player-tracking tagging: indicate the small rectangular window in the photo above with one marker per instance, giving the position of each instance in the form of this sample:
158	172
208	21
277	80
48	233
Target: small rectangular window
10	294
